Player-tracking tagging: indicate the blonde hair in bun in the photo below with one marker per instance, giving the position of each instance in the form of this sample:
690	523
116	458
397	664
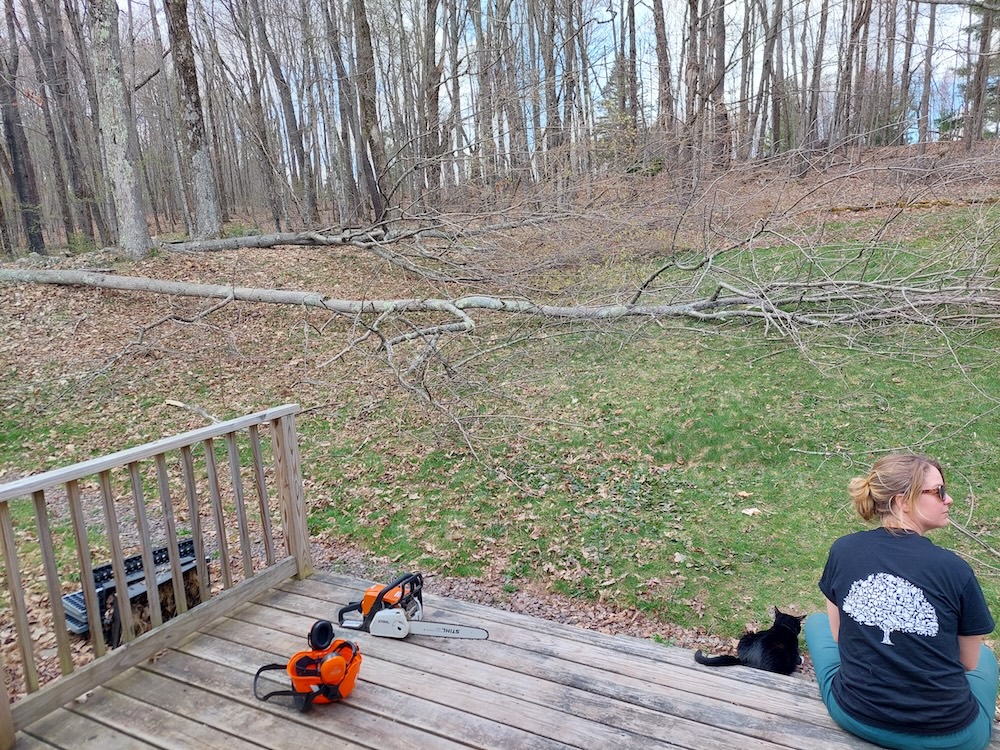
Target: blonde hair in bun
895	474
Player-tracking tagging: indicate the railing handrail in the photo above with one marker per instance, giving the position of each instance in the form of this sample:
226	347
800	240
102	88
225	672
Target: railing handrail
35	482
290	504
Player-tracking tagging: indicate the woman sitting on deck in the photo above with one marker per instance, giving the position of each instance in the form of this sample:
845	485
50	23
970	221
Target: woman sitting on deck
899	654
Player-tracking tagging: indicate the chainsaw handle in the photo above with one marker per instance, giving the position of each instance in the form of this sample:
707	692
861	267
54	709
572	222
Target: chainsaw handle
409	584
352	607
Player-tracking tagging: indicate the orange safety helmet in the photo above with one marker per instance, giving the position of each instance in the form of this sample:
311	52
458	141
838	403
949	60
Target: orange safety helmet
326	673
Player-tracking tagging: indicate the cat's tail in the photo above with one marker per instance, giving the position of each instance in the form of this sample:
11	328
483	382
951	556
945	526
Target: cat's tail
715	661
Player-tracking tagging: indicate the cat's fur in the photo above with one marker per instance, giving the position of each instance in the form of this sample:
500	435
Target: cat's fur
773	650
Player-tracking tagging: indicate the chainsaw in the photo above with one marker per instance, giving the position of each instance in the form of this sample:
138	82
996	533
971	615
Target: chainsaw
396	610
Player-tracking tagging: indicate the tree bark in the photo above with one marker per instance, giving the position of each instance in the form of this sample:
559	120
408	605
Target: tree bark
294	130
118	129
722	143
824	303
924	126
207	213
41	53
372	150
665	114
23	169
977	100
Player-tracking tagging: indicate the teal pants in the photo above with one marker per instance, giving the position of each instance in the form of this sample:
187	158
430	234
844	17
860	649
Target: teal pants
983	680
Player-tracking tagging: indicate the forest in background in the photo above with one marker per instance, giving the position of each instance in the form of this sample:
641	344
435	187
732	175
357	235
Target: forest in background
128	121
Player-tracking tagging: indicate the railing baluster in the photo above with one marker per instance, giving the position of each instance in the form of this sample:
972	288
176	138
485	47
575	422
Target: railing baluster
148	565
191	491
52	582
217	514
86	568
241	512
265	511
125	618
7	734
177	578
261	485
17	606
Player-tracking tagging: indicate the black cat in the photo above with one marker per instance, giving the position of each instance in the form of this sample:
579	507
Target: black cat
773	650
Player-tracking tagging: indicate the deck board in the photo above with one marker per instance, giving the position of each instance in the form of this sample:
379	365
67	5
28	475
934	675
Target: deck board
533	684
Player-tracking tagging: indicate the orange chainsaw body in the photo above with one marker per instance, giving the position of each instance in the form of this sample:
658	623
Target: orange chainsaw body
390	598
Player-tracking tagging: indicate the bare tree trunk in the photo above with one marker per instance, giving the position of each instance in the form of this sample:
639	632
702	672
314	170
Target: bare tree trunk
349	120
861	103
692	86
780	135
85	133
87	212
906	73
118	129
812	114
287	100
666	117
755	142
258	125
207	214
41	53
429	104
373	157
554	135
889	119
22	167
977	98
924	126
722	136
631	70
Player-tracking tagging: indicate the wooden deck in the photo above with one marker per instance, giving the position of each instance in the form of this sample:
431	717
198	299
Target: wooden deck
532	684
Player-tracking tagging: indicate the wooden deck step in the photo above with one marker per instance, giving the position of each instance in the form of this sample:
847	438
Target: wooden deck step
533	684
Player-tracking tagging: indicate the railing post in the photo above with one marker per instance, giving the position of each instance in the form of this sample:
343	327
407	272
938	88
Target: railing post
291	498
6	721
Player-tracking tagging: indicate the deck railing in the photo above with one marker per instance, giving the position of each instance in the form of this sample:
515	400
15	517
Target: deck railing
124	507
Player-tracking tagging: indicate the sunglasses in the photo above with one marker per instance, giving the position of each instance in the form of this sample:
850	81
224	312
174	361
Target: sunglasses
939	491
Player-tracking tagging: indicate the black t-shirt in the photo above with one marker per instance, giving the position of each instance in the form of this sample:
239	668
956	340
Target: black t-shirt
903	603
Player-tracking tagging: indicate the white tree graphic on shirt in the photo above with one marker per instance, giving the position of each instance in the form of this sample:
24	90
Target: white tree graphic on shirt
890	603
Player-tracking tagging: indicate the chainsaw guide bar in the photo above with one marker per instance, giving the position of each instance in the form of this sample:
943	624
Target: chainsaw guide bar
397	610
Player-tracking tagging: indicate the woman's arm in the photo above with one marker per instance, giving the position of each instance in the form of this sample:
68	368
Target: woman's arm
968	650
834	614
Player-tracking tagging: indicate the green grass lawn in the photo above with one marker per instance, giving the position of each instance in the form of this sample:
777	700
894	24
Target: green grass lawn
698	477
696	471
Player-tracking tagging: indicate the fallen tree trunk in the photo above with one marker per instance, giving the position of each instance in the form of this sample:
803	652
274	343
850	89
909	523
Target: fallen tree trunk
456	307
364	239
784	305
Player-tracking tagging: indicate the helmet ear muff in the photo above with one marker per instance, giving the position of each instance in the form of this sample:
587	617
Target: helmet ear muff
332	669
321	635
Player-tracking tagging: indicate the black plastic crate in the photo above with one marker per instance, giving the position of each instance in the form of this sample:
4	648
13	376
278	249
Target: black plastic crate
75	605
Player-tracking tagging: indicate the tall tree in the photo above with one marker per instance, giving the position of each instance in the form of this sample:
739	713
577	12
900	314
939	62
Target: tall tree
976	97
22	168
205	193
118	136
666	117
923	121
722	136
371	149
293	126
